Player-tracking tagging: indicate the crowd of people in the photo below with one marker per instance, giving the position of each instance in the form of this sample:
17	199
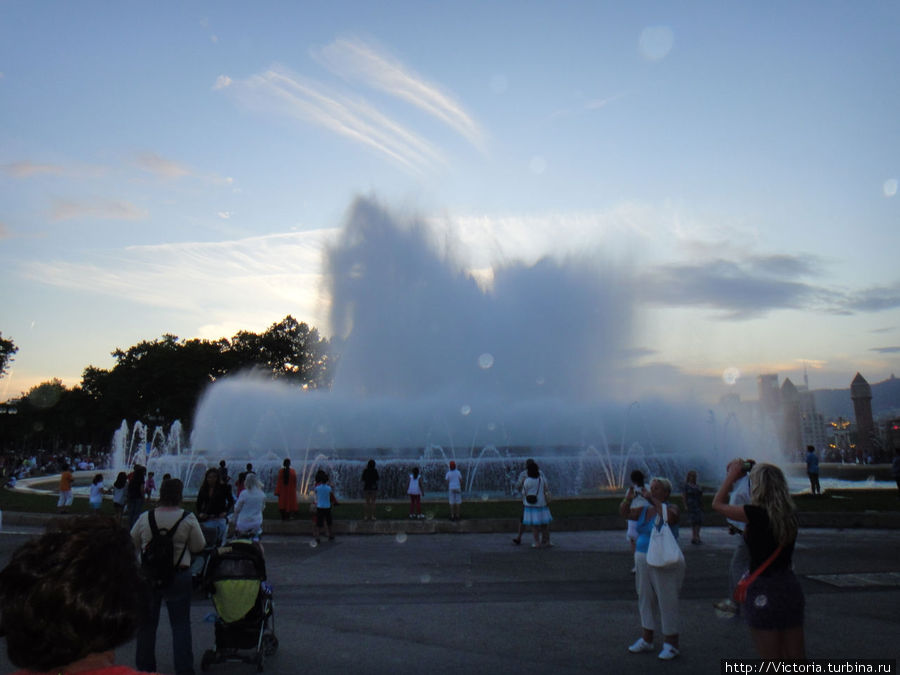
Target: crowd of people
753	497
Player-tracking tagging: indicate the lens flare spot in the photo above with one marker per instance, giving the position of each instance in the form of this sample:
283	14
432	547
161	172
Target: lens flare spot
538	165
485	496
890	187
425	578
465	410
731	376
388	508
400	538
485	361
313	544
656	42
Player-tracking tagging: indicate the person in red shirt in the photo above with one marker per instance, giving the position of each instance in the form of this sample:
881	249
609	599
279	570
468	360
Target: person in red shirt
66	481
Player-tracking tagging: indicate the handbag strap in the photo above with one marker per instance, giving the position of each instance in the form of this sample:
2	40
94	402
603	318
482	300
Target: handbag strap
759	570
663	517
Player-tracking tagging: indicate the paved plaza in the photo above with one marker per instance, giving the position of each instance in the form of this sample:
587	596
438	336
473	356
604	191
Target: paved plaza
475	603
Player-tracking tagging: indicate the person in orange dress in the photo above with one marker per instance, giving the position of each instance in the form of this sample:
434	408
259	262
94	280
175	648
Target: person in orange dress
65	490
286	490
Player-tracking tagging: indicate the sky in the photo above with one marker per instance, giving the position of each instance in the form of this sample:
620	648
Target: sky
180	168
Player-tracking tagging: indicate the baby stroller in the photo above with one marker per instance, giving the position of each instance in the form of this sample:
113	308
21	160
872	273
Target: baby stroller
236	581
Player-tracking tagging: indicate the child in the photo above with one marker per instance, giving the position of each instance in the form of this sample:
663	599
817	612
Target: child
96	498
415	492
324	499
119	490
149	486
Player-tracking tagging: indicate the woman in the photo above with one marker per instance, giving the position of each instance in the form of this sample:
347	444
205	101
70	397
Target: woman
187	538
637	483
286	490
692	499
120	495
135	494
536	512
214	500
70	597
775	603
370	489
248	511
657	587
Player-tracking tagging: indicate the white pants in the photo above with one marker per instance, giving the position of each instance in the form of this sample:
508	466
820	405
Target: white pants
657	590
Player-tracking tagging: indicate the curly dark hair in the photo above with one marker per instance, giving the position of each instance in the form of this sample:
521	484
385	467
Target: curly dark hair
74	591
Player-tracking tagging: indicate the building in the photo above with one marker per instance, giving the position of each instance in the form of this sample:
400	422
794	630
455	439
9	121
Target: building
861	394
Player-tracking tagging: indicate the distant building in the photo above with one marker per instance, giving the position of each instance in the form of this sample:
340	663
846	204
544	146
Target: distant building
812	423
790	435
861	394
769	394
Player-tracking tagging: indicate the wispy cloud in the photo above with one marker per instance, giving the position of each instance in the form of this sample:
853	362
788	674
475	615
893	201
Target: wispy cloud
886	350
874	299
160	166
103	209
358	61
30	169
246	282
281	92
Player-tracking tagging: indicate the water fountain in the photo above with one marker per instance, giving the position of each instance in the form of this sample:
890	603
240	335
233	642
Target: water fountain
434	366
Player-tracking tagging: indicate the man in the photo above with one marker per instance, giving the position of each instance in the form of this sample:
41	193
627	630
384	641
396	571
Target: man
187	539
65	490
454	487
740	557
812	470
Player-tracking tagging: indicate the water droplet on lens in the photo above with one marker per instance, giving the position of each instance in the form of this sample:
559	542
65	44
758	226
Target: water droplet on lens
656	42
313	544
761	600
890	187
465	410
538	165
401	537
388	508
540	381
485	361
484	497
731	375
322	429
491	426
425	578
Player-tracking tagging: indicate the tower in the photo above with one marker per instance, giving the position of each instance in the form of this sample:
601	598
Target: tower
791	435
861	393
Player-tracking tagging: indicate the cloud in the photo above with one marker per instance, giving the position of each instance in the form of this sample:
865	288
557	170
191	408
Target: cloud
164	168
356	60
886	350
874	299
222	82
279	92
245	282
103	209
30	169
741	290
4	230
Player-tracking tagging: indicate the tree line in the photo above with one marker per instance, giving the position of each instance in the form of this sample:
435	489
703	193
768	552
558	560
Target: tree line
156	382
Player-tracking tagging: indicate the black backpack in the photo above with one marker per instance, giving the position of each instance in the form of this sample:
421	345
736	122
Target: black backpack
156	558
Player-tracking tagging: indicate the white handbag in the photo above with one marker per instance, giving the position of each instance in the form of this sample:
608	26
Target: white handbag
664	550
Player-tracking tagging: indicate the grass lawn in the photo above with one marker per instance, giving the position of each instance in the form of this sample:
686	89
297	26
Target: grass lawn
830	501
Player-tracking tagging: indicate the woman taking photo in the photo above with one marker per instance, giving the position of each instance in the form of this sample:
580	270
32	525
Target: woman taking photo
774	603
657	587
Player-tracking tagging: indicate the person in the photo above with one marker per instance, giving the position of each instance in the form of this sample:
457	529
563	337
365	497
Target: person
66	480
70	597
286	490
740	557
214	500
638	501
96	496
135	494
657	587
370	489
187	538
774	606
692	500
119	492
223	472
241	483
325	498
149	486
416	492
520	483
812	470
895	468
248	510
536	511
454	490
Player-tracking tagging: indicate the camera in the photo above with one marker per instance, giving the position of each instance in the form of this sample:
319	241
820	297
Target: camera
748	464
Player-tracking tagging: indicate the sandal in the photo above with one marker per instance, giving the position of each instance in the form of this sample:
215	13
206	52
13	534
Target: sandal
517	541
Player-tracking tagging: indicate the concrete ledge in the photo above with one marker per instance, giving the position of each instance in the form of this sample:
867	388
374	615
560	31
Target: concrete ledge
869	520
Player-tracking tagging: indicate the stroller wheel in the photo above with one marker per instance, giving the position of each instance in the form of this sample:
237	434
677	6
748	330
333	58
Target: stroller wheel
209	657
269	644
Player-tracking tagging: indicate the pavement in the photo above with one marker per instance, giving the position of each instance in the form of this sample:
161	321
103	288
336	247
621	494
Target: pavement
401	602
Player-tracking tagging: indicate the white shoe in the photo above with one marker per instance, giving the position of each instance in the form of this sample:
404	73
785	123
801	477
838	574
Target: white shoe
641	646
668	652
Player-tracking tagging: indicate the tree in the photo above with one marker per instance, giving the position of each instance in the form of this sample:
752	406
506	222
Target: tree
7	349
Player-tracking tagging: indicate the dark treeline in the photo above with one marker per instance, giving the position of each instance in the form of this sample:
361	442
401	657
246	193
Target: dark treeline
158	382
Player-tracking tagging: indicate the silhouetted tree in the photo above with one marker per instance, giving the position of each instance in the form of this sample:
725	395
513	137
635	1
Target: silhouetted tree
7	349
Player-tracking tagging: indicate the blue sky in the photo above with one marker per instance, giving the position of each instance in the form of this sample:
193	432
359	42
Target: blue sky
178	167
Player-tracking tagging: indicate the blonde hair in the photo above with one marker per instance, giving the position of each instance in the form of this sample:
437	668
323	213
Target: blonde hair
769	490
665	482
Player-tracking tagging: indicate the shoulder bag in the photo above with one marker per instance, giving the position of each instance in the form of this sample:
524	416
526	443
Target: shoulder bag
664	550
740	591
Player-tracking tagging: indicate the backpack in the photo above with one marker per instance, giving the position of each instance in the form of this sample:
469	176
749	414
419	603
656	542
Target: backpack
156	558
